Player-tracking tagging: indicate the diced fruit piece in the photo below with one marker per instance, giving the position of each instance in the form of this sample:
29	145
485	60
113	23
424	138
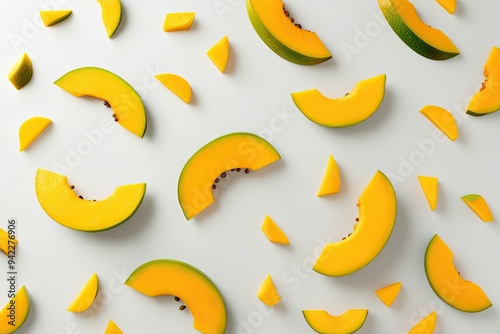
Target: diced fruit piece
331	180
178	85
178	21
63	205
22	303
487	100
287	39
267	292
219	53
477	203
236	151
86	296
348	322
348	110
420	37
22	71
53	17
429	185
377	217
30	130
442	119
113	328
193	287
389	293
443	278
449	5
273	232
111	15
426	325
116	92
6	243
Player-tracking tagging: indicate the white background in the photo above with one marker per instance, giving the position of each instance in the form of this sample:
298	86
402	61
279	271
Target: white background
225	241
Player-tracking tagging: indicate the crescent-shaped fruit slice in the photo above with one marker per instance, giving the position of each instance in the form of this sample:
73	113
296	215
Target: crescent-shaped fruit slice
487	100
53	17
113	328
442	119
30	130
420	37
268	293
86	296
389	293
178	21
446	281
429	185
377	216
449	5
9	323
219	54
331	179
177	85
63	205
477	203
273	233
111	11
7	244
351	109
193	287
285	38
21	73
346	323
426	325
120	96
239	151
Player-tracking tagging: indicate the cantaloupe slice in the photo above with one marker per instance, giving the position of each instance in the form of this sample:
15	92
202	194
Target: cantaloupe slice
177	84
430	187
30	130
389	293
477	203
219	54
331	180
267	292
273	232
442	119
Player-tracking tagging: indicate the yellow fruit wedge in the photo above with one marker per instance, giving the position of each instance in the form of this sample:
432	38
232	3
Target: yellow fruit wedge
22	71
6	243
53	17
273	232
30	130
86	296
449	5
111	15
478	204
389	293
430	187
348	322
267	292
178	21
331	180
177	84
442	119
426	325
112	328
219	54
10	323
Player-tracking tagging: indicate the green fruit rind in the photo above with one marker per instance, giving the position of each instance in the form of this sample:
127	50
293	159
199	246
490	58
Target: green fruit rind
409	37
471	197
274	44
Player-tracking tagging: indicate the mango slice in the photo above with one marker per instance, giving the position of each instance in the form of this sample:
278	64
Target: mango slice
113	328
178	21
348	322
331	180
389	293
429	185
268	293
9	323
219	54
86	296
442	119
22	72
111	11
273	232
177	84
426	325
30	130
6	243
53	17
449	5
477	203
